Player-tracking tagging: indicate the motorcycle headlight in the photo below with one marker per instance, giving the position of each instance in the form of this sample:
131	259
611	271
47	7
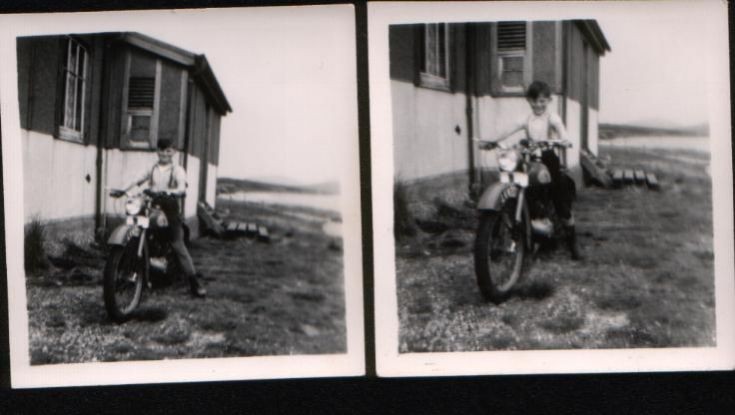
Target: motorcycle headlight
508	160
133	206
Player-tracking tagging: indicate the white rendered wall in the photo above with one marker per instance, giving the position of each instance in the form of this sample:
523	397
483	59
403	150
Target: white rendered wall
211	184
54	178
593	135
192	192
424	139
573	128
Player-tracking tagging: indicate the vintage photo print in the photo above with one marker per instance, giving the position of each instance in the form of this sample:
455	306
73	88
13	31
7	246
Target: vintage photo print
552	187
182	204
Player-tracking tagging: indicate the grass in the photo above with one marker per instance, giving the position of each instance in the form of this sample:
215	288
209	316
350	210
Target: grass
34	247
282	297
404	225
647	279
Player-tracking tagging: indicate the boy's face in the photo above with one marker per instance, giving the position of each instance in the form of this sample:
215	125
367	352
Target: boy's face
165	156
539	104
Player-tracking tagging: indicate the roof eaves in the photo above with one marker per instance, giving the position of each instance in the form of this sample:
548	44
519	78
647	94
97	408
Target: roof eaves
593	31
159	48
203	73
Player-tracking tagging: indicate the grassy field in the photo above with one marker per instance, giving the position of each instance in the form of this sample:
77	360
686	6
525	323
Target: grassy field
282	297
647	279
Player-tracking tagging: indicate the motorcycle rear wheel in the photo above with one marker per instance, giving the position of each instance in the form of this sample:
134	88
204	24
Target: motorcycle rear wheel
123	280
500	250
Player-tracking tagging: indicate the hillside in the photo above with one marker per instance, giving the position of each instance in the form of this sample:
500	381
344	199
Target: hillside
608	131
231	185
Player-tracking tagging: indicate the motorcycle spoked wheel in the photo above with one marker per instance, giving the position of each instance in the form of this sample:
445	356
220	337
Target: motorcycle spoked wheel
125	273
500	251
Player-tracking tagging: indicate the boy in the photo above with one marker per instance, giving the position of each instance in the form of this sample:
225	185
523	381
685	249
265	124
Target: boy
169	180
543	125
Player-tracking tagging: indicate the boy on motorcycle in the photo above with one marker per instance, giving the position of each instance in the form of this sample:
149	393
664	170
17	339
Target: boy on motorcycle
169	181
544	125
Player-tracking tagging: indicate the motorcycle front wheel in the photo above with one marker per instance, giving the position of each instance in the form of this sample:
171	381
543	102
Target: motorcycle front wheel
499	254
123	281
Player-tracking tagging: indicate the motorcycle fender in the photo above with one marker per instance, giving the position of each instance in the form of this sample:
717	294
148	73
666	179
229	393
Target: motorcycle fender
493	197
120	236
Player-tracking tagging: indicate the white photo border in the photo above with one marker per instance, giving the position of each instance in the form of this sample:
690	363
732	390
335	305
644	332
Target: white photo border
23	375
389	362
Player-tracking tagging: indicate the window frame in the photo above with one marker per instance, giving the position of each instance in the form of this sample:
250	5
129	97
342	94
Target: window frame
498	57
64	131
428	79
127	112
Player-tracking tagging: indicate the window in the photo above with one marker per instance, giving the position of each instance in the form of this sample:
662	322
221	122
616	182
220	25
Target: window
140	122
74	77
512	56
435	56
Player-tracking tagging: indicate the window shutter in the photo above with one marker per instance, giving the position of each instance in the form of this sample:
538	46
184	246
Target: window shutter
511	35
141	92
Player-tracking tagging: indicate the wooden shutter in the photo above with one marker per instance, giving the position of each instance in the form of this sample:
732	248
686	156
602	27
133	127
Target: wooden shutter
511	35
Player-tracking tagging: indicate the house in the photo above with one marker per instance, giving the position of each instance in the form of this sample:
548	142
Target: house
452	82
93	107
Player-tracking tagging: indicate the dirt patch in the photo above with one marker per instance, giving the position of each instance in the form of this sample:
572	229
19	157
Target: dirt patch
257	294
647	279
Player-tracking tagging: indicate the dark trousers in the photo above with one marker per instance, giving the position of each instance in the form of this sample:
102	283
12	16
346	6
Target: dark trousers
170	207
561	188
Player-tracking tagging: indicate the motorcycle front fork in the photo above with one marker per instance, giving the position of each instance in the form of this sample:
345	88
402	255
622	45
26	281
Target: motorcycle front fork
519	205
141	242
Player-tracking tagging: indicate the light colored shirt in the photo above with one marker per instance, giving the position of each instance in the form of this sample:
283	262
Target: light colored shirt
547	126
160	178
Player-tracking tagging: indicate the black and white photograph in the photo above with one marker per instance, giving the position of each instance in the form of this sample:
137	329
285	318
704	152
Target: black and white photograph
187	201
547	179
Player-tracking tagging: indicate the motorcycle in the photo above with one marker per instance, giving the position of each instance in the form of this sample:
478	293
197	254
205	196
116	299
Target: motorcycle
516	216
140	254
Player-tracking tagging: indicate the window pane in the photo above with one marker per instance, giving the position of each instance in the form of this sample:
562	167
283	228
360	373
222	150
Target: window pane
79	107
512	78
442	53
140	127
513	63
69	101
431	52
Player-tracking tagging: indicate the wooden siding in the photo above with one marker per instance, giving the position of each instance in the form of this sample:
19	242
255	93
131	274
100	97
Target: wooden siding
94	95
113	92
215	142
39	87
457	57
198	122
403	50
574	44
480	42
170	103
544	54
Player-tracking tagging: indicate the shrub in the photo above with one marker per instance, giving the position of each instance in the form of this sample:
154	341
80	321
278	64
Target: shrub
34	247
403	221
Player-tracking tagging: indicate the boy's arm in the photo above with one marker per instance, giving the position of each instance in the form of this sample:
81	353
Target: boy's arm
558	125
180	176
144	179
494	143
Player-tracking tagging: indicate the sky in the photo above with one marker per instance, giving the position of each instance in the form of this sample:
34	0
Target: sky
290	77
655	71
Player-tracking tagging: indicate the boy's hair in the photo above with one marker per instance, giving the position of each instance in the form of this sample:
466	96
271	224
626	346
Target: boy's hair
537	89
165	143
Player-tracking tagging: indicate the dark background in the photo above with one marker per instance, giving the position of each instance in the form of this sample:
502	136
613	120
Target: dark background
693	392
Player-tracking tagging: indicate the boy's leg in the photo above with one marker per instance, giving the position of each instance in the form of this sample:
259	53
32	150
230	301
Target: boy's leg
562	194
182	254
170	208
